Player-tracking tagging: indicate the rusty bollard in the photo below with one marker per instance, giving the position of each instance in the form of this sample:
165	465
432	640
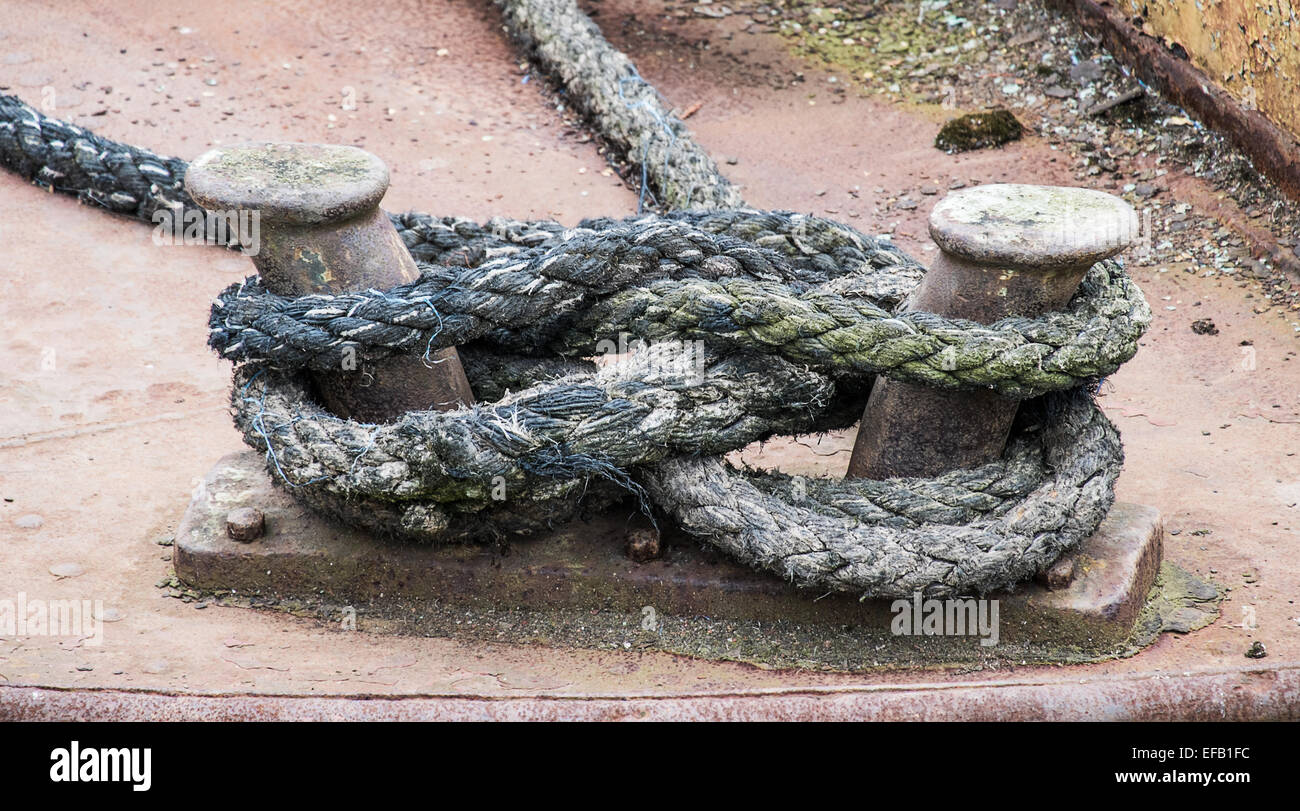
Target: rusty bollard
322	231
1006	250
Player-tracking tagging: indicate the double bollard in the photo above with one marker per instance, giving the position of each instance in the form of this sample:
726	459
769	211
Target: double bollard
1005	250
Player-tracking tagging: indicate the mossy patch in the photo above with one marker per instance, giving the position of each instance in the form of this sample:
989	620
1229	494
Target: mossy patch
1180	602
883	47
979	131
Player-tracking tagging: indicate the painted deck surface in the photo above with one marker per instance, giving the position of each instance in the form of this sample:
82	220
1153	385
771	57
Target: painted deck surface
112	408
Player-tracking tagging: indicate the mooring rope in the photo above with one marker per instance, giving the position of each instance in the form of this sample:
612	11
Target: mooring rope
796	315
623	107
669	281
969	530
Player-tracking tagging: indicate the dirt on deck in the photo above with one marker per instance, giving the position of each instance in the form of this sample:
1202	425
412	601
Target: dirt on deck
112	408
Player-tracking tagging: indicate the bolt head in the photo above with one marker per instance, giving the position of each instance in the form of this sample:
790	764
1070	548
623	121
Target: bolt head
1060	574
245	524
299	184
1021	226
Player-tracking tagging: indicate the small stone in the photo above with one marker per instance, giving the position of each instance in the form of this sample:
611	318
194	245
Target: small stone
642	545
1058	92
1059	575
1256	650
67	570
1026	38
905	203
29	521
1184	620
1204	326
1086	72
245	524
1146	190
710	10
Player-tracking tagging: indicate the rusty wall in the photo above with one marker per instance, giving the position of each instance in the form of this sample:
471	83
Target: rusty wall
1249	47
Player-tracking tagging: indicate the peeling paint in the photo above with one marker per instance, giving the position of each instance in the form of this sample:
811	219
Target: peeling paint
1252	49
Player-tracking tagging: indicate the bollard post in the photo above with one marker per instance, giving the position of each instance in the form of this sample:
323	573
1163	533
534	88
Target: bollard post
1006	250
321	231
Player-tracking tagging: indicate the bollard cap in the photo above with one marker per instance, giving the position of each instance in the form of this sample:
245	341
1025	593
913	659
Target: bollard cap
1025	226
302	184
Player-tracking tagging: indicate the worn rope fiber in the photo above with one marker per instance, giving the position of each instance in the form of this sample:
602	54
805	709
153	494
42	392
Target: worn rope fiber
538	445
624	108
1058	479
665	280
798	314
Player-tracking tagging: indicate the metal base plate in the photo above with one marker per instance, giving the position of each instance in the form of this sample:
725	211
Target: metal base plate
568	585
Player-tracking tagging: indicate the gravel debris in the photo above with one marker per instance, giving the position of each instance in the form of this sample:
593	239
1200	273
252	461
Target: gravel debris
963	55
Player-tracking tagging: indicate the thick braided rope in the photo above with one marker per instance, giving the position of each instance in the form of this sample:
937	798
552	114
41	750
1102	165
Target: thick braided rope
850	334
625	108
69	159
538	290
428	476
666	280
836	536
538	445
821	249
